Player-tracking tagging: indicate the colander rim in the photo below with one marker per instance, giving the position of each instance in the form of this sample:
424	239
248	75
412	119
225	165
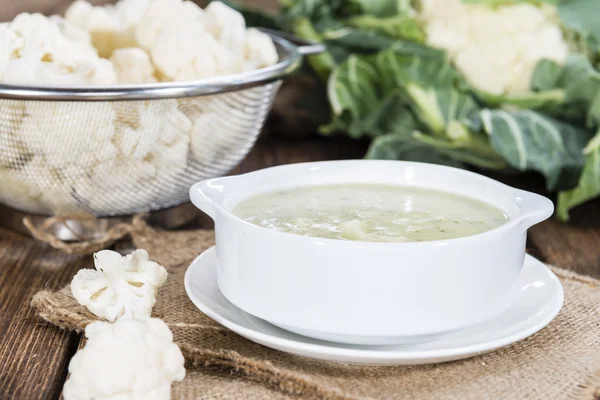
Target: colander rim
290	61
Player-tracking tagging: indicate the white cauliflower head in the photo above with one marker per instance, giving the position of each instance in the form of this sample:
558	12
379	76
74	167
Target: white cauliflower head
126	360
496	49
132	65
40	53
119	286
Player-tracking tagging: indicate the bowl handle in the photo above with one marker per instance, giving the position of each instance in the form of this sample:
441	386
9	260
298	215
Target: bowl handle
534	208
208	196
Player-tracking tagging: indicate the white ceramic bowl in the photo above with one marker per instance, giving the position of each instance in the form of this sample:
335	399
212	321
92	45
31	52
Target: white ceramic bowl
365	292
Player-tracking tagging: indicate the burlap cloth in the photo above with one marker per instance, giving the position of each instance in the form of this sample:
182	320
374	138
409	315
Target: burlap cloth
560	362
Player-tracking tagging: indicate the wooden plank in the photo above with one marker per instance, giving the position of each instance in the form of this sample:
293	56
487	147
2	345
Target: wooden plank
33	354
574	245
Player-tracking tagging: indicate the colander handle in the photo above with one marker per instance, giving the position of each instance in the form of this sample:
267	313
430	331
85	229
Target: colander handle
304	47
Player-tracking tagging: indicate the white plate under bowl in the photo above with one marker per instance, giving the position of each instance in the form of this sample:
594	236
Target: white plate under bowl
538	302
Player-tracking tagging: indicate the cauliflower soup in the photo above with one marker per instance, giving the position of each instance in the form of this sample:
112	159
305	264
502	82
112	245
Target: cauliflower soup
371	212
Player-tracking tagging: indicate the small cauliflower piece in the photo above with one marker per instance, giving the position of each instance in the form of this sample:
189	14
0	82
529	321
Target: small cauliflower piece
259	50
72	32
141	125
111	27
187	43
125	360
132	65
68	128
496	48
226	25
179	57
152	141
45	55
181	49
98	21
204	128
119	286
10	45
17	188
36	187
14	151
353	230
164	15
117	176
172	159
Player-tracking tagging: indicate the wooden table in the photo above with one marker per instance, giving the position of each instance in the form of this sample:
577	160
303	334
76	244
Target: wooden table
34	355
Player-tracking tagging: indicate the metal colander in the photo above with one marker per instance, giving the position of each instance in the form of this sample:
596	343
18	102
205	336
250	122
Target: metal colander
120	150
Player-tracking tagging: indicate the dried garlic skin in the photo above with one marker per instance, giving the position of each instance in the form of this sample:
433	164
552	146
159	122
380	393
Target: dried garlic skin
126	360
119	287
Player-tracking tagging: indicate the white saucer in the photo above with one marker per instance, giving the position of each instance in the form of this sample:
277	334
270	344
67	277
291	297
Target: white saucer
539	301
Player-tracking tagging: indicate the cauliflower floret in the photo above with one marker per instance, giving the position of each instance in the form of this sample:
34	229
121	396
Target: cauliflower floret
181	49
226	25
179	57
259	50
10	45
17	189
204	128
108	182
45	55
140	125
71	31
98	21
111	27
172	159
152	140
125	360
132	65
69	128
497	49
135	133
36	187
187	43
164	15
14	152
119	286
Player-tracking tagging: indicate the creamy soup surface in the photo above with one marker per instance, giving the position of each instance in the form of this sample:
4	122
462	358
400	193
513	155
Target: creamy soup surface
371	212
